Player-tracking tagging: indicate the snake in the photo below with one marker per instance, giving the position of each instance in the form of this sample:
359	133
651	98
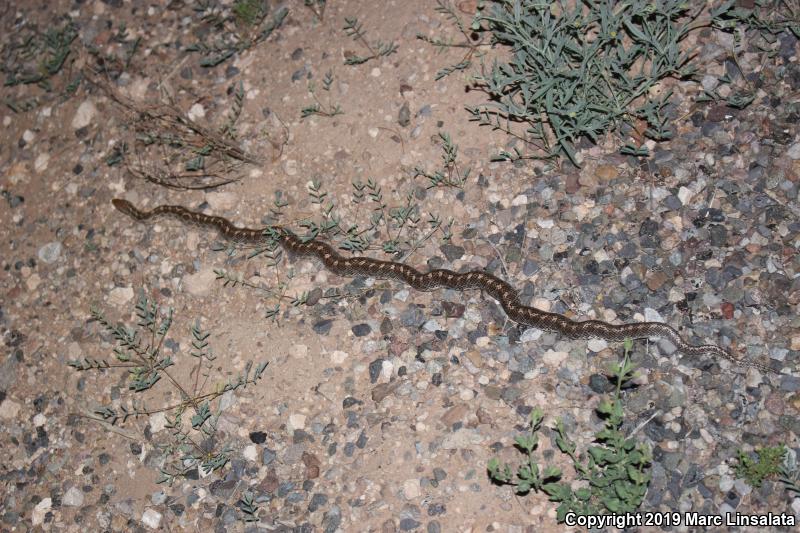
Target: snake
490	284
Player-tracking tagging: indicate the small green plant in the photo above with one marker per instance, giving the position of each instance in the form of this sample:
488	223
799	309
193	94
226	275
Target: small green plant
449	175
36	57
473	48
583	69
318	108
141	352
249	13
354	29
790	473
768	463
614	476
248	507
236	28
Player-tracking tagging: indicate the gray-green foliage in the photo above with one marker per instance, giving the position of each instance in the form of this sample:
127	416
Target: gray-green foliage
789	473
249	508
140	351
582	69
234	28
30	56
318	108
449	175
450	11
611	478
379	48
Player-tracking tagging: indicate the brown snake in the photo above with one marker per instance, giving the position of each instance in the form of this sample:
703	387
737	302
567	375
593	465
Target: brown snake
434	279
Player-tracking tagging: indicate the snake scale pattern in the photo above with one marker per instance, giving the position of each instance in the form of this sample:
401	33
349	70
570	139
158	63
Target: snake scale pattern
495	287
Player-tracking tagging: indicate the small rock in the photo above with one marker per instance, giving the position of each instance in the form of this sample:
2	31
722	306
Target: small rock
297	421
195	112
250	452
411	489
50	252
84	115
222	201
606	172
151	518
656	280
120	296
200	283
73	497
597	345
41	509
267	456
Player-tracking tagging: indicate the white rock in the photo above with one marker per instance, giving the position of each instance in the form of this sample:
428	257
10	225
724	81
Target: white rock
553	358
411	489
651	315
300	351
545	223
41	161
50	252
200	283
520	199
597	345
37	516
84	115
151	518
158	422
725	483
297	421
33	282
387	367
796	506
120	296
794	151
73	497
338	357
220	201
39	420
463	438
196	111
250	452
684	195
9	409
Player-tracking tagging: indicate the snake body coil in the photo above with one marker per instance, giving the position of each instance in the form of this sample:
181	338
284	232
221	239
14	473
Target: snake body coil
435	279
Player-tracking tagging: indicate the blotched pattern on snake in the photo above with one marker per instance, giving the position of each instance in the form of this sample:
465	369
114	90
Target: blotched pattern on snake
495	287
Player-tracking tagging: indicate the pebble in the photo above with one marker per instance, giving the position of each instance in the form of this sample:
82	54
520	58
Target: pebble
84	115
73	497
120	296
50	252
411	489
151	518
40	510
201	282
297	421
